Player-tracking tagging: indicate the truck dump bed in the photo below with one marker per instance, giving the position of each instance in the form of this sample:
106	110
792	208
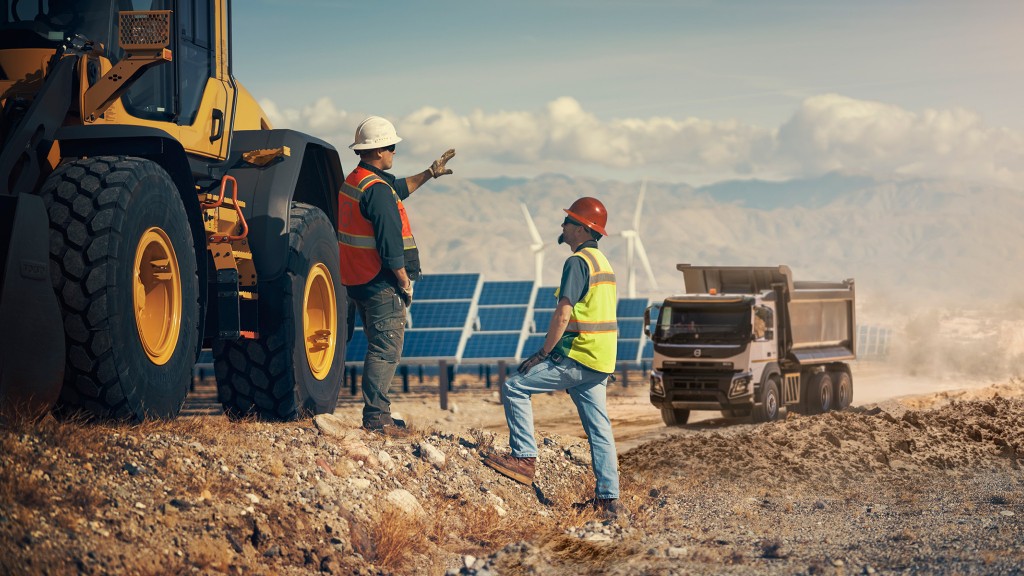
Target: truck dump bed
818	317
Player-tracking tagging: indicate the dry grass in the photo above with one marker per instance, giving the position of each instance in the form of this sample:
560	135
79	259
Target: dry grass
394	536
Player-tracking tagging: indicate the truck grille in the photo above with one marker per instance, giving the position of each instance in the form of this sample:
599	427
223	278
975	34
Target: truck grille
692	382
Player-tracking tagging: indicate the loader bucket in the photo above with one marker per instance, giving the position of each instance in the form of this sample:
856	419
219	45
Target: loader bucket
31	328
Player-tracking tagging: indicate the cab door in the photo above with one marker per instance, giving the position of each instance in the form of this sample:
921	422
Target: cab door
205	94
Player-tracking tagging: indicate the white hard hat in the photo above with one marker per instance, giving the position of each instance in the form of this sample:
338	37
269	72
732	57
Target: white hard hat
375	132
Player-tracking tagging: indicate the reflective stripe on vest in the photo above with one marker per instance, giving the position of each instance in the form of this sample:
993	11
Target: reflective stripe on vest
593	317
357	246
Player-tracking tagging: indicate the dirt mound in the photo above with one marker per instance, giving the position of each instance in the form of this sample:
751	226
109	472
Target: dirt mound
933	491
827	450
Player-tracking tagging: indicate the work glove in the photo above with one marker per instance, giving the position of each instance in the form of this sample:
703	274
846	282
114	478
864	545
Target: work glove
538	357
437	169
406	295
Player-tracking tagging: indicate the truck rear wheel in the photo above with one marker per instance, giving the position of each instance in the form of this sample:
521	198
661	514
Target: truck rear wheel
295	366
124	269
819	394
674	416
842	388
768	410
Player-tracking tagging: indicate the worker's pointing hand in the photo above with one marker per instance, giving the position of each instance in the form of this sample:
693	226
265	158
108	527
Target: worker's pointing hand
437	169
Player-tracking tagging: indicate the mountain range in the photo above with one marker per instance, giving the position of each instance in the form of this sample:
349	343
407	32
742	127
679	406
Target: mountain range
906	241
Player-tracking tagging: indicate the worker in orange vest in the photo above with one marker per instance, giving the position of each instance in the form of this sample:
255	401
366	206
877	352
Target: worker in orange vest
380	260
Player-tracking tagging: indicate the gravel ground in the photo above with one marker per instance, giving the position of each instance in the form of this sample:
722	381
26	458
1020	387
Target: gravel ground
914	486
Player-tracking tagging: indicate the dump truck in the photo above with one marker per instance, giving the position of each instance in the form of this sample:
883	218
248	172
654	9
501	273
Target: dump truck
149	210
751	342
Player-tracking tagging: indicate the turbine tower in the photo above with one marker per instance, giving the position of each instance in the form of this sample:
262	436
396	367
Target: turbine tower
635	249
538	247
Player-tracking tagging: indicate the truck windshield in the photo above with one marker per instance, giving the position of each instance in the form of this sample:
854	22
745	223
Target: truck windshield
36	24
705	324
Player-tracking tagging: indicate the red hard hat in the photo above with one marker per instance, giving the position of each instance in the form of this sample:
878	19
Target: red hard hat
589	212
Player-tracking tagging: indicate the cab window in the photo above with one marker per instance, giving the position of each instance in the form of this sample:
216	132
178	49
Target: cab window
156	96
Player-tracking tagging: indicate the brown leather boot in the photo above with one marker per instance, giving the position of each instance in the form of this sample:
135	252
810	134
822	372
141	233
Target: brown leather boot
389	430
519	469
611	508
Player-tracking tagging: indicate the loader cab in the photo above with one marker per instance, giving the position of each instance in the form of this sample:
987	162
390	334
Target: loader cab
190	97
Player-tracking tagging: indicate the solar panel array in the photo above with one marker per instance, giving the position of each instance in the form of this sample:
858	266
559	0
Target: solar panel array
438	323
462	319
501	317
543	308
630	313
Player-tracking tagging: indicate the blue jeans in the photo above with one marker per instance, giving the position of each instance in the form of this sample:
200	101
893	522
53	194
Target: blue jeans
588	391
383	317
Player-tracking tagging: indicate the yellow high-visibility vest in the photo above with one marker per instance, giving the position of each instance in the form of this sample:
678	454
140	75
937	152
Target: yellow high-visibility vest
593	317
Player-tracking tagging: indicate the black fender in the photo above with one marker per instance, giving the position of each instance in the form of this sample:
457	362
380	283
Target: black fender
770	369
160	147
310	173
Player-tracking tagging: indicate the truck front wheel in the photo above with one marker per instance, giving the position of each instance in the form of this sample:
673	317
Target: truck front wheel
768	410
673	416
819	394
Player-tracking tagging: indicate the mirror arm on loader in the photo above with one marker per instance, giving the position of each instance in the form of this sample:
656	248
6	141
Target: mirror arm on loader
145	37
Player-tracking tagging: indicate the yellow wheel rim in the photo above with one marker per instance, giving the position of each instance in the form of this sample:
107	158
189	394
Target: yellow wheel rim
319	321
157	295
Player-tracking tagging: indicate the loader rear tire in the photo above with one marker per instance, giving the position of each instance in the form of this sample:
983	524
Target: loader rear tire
296	365
123	266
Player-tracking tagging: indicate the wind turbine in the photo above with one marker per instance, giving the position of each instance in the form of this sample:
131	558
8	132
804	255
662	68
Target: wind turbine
635	249
538	247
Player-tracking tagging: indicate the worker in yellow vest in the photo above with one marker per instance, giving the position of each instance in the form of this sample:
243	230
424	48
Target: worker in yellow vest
578	356
380	260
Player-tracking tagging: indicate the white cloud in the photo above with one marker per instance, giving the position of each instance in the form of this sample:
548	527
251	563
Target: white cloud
826	133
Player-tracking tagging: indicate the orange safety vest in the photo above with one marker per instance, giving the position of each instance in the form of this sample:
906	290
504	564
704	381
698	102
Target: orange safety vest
357	246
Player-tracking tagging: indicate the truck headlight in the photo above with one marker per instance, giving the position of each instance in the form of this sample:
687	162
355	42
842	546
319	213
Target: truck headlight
740	387
657	384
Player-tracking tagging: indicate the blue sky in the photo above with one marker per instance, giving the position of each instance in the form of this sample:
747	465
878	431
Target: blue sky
692	91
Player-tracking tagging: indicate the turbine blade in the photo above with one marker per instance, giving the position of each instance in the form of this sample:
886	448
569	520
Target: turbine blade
529	224
639	205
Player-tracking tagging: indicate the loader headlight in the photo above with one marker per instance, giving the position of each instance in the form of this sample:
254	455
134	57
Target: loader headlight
740	387
657	384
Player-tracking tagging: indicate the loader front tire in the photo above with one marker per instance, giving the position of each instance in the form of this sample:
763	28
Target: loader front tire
123	266
295	367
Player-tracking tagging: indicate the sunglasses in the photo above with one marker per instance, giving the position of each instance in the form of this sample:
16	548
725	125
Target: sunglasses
390	148
570	221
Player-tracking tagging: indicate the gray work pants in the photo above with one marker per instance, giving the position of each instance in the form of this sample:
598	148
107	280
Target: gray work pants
383	316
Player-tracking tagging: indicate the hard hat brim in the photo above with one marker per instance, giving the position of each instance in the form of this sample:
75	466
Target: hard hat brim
382	143
586	223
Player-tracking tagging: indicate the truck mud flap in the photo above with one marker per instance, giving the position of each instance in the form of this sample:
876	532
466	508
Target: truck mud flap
32	338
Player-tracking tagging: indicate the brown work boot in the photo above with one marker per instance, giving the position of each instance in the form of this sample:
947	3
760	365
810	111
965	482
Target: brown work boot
390	430
519	469
611	508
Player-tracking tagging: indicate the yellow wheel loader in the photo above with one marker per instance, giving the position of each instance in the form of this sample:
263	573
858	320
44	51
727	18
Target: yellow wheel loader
147	211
